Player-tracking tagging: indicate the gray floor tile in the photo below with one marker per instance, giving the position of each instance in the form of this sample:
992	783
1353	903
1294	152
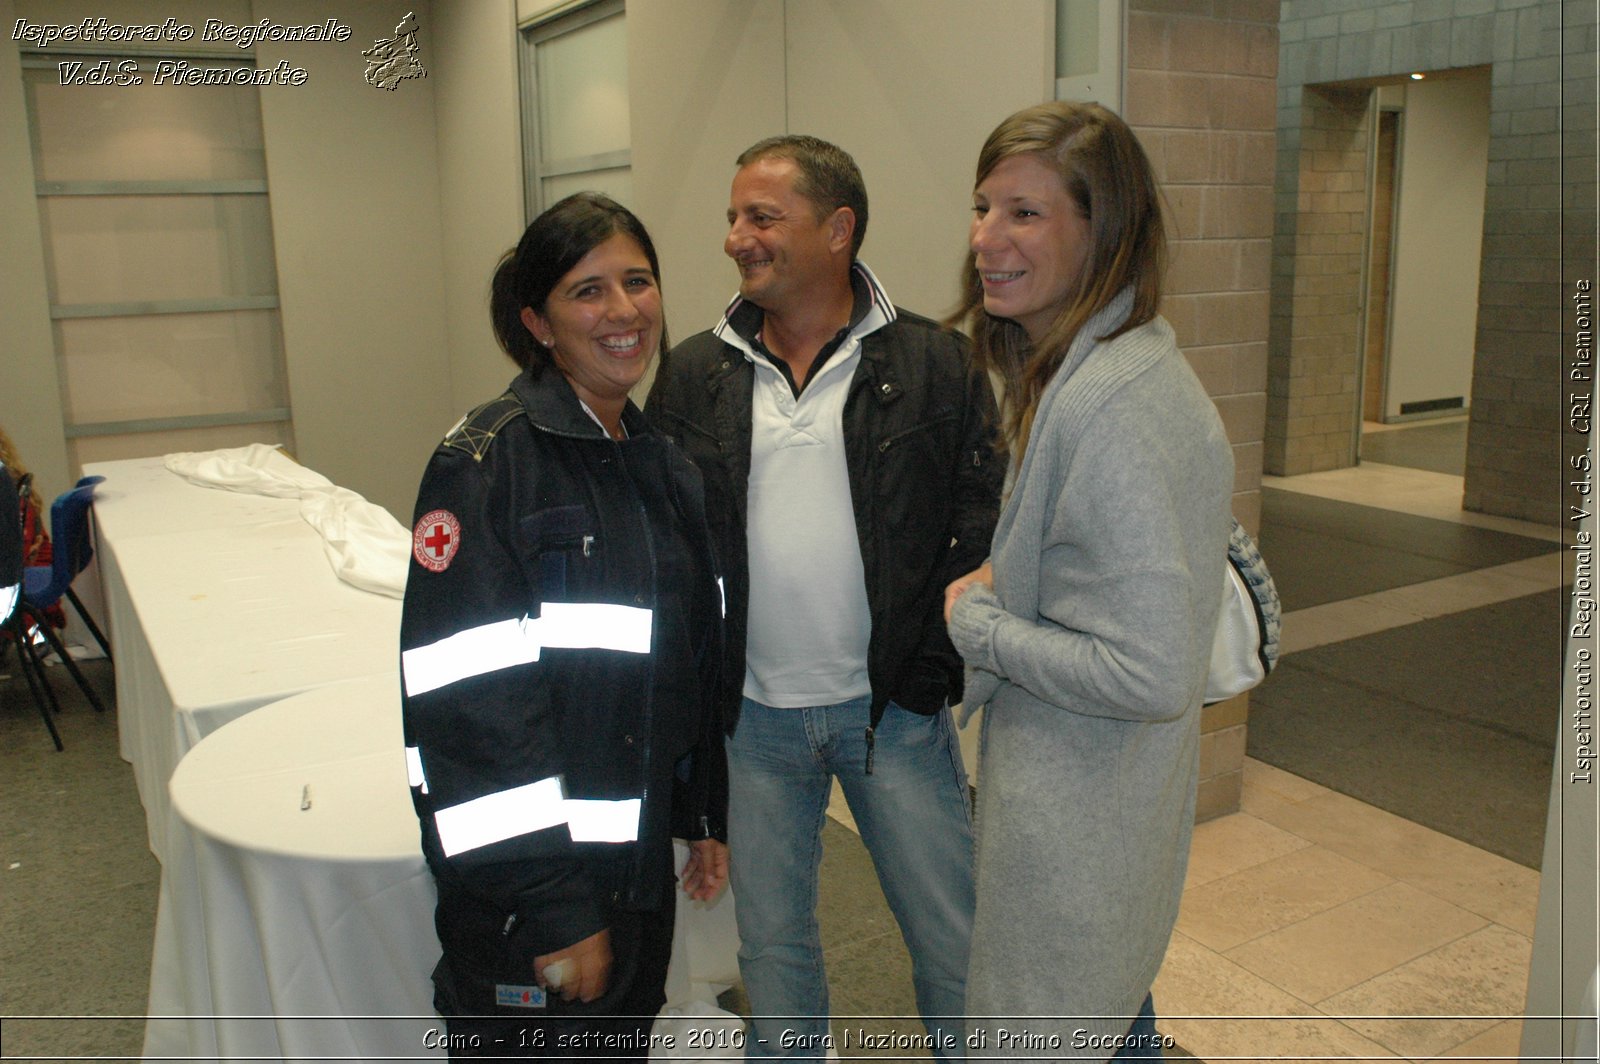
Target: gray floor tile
1498	667
1437	448
1449	722
853	908
1321	550
102	1038
78	916
85	953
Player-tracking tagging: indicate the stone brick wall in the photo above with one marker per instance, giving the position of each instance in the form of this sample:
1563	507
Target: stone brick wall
1515	435
1201	95
1318	248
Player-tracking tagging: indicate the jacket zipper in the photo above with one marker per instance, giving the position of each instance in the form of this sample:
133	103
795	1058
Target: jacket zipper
889	442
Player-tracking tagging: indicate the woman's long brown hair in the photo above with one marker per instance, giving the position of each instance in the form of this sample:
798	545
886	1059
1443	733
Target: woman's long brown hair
1107	174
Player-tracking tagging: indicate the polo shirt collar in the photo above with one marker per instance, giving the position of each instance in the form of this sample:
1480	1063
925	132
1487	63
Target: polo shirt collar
872	310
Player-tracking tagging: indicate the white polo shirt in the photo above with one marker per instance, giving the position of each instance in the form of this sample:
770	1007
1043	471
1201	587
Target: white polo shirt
808	618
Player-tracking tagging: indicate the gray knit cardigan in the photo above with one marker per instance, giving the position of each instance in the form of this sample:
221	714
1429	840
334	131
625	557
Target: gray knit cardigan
1091	655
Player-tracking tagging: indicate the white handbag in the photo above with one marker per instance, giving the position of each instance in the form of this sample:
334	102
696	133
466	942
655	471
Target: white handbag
1245	648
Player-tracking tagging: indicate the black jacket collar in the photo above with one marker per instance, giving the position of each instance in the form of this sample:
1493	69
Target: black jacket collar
553	406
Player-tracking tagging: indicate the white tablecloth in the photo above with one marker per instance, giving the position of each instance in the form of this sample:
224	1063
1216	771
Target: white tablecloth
281	913
219	603
318	922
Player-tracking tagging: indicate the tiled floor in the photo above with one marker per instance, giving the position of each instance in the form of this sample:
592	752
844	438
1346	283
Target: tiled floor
1308	909
1315	926
1439	444
1381	938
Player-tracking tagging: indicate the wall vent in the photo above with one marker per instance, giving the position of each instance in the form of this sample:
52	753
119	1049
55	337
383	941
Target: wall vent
1425	406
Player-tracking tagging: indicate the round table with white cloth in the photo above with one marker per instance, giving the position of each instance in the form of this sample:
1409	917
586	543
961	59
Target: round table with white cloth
296	913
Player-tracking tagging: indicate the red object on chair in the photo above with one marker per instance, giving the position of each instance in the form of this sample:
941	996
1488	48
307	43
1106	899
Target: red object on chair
16	618
36	548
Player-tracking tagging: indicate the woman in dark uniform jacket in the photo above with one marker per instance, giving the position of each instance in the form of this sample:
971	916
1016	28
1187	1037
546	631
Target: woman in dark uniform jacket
559	646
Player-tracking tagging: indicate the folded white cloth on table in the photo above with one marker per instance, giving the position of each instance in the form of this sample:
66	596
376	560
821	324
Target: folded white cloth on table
366	546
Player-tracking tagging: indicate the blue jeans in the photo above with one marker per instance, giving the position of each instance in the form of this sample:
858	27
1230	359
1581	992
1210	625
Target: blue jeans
1144	1041
916	823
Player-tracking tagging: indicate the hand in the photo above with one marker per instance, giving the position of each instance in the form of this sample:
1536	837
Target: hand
585	971
983	574
705	873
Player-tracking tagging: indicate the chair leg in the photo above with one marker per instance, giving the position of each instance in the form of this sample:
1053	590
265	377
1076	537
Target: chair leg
66	659
30	665
94	629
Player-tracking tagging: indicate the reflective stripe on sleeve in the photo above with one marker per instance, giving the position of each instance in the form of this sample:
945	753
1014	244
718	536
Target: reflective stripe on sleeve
595	626
722	597
500	816
518	641
414	773
8	599
594	820
486	648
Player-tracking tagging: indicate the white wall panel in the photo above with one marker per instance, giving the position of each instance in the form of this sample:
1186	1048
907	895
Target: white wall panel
911	88
356	215
480	184
707	80
1444	155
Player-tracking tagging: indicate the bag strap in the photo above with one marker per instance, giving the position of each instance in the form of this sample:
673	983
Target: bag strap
1246	559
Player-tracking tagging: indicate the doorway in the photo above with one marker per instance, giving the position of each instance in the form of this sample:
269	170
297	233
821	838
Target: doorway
1428	162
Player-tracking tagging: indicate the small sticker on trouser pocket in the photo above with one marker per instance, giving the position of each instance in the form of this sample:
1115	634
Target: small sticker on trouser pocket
518	997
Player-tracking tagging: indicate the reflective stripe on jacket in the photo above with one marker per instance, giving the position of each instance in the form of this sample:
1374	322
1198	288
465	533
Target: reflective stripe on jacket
528	674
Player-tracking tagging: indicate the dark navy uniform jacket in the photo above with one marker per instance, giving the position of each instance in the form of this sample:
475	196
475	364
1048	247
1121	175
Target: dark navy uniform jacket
561	646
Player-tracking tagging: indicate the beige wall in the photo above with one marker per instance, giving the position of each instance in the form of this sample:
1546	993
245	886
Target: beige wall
1444	152
1199	94
1537	226
355	197
711	77
30	394
480	184
390	208
705	82
531	9
356	219
1319	250
914	107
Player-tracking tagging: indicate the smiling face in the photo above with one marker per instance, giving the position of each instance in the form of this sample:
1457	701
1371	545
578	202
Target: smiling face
783	251
1030	241
602	321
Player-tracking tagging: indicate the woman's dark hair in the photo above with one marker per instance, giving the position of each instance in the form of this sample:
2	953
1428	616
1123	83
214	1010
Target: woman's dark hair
1108	176
552	245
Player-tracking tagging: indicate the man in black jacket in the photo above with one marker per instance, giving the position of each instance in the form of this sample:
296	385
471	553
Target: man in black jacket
851	473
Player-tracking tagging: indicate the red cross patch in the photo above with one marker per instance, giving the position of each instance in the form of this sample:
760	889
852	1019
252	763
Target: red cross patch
435	540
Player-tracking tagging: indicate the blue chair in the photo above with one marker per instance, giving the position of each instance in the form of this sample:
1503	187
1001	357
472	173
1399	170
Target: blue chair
15	618
44	585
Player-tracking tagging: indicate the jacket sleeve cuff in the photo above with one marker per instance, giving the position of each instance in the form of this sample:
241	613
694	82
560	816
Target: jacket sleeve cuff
972	625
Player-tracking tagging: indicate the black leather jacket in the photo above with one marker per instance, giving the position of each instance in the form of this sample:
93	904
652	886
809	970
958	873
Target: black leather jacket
925	478
530	639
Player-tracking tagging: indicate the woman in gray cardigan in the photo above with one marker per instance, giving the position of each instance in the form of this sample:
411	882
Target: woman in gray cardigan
1088	632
